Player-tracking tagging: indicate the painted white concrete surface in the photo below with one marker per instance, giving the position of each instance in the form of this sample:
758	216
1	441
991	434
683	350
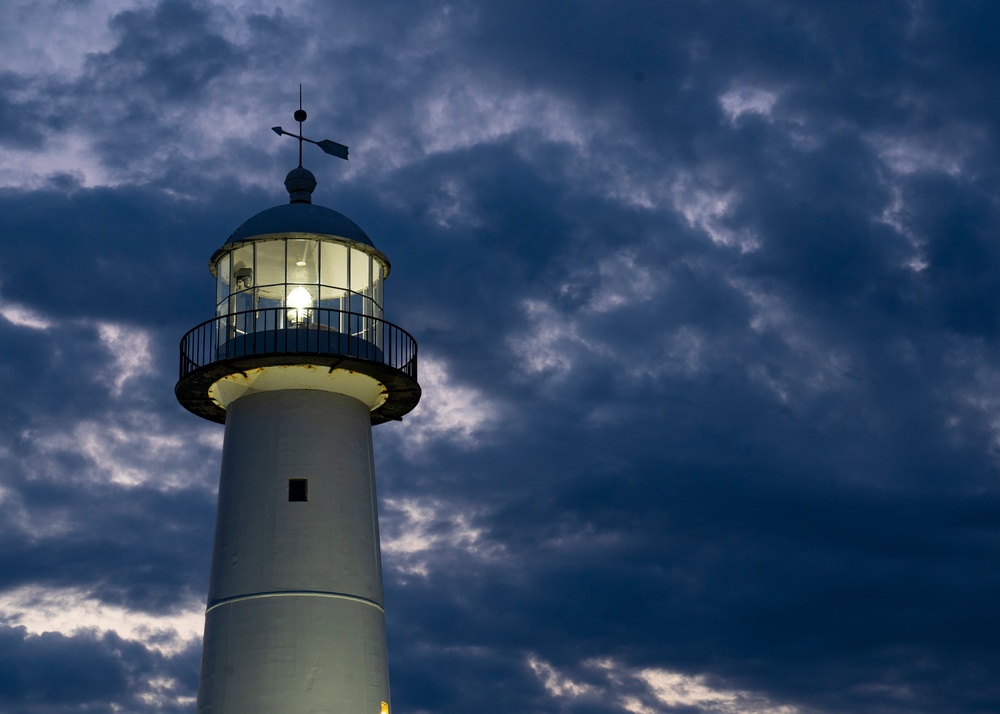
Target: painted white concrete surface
298	376
295	621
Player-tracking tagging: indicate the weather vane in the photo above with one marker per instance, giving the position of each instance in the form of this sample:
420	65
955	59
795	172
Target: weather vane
330	147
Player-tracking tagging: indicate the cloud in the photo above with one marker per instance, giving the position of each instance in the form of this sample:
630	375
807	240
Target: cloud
67	611
647	691
420	532
673	689
448	411
92	674
710	210
128	450
748	100
130	348
50	37
706	300
24	317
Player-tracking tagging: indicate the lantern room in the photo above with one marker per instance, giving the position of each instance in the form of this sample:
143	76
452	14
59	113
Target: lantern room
300	265
299	300
299	272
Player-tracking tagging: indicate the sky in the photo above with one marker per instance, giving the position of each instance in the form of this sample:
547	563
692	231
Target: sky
707	295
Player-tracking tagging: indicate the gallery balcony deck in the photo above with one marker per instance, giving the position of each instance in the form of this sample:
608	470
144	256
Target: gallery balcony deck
278	336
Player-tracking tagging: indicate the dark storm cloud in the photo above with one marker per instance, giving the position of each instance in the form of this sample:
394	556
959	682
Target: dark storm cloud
705	298
95	252
168	58
87	673
18	120
87	512
171	51
117	551
875	577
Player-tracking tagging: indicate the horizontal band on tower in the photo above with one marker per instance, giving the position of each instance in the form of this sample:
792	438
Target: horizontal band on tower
296	593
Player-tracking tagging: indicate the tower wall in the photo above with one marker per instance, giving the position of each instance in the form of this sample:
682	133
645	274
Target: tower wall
296	587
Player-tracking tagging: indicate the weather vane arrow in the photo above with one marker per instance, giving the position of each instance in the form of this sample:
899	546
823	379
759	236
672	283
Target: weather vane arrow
330	147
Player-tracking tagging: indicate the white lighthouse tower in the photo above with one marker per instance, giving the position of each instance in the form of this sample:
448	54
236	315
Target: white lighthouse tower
298	363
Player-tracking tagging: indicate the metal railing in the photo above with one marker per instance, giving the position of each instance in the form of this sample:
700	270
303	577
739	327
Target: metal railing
291	331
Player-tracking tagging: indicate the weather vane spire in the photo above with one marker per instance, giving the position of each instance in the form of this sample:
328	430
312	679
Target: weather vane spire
330	147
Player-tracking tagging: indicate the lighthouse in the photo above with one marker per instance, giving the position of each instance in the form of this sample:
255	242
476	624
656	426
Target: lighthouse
298	363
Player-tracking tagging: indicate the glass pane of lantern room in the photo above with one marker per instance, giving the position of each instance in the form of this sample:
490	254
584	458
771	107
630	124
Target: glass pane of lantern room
360	271
377	275
333	265
360	281
241	278
270	274
330	299
303	262
222	278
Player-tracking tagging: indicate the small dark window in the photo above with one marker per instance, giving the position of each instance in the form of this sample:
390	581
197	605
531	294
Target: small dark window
298	489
